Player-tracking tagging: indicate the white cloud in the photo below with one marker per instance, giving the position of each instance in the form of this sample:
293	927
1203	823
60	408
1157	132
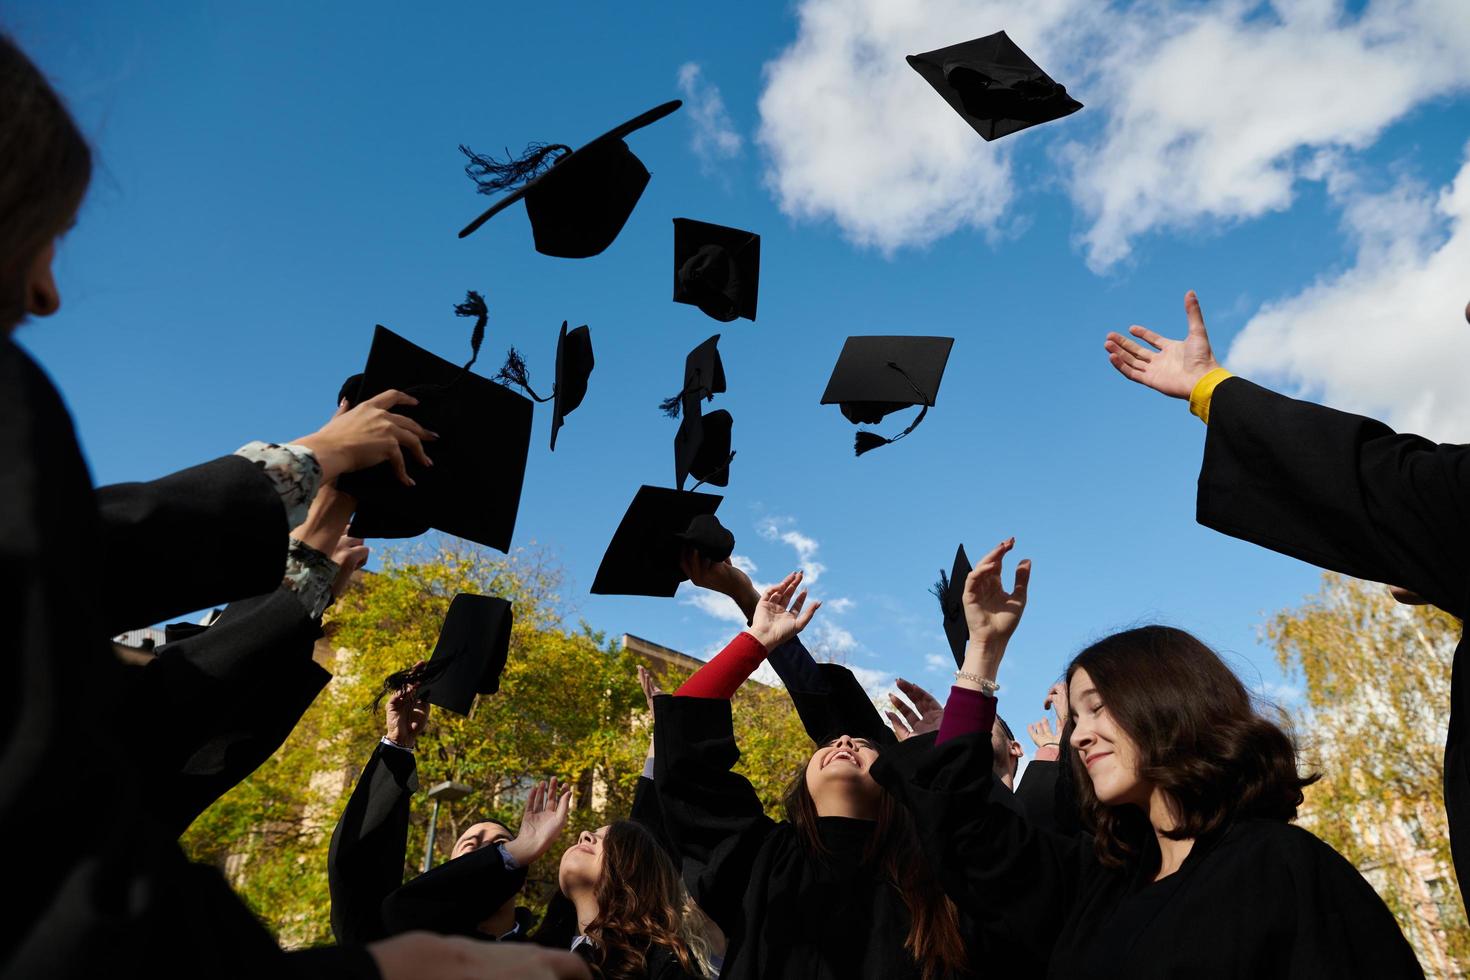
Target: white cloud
1211	108
781	529
743	563
1386	337
714	604
715	139
935	663
1197	115
876	682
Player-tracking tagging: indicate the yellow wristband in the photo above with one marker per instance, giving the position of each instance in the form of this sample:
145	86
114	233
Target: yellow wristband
1204	390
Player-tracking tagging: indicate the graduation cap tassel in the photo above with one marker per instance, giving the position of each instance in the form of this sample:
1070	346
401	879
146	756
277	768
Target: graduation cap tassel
474	305
940	590
400	680
866	441
514	373
714	473
492	176
670	406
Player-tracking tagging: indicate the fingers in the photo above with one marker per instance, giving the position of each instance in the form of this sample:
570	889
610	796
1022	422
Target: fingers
404	431
1131	371
1194	315
1149	337
796	606
807	614
387	399
900	730
399	469
921	698
1023	579
909	714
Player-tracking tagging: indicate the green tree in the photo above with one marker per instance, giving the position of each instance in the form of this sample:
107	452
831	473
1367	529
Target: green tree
1372	721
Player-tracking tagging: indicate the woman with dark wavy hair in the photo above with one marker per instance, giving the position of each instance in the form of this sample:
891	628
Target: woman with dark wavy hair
1193	866
634	918
840	889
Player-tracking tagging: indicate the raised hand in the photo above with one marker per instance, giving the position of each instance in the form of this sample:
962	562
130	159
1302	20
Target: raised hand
722	577
1056	700
367	435
1174	367
991	613
1048	740
407	714
924	716
547	808
649	683
777	618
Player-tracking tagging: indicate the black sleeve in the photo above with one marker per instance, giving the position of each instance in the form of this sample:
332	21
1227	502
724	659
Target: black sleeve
366	856
713	815
648	812
1341	491
832	702
1037	792
1342	928
1016	880
455	897
246	675
200	537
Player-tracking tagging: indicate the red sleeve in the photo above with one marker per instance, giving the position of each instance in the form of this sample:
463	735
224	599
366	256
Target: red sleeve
965	713
722	676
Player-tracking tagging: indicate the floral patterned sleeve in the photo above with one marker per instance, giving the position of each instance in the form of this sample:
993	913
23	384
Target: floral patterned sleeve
294	471
309	574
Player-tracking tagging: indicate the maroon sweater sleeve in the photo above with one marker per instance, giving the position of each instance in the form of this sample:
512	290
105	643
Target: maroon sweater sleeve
722	676
965	713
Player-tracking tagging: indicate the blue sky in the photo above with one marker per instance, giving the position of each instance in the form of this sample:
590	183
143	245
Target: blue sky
274	179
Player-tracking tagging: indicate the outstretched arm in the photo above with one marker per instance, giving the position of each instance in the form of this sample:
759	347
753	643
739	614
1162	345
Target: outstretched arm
778	617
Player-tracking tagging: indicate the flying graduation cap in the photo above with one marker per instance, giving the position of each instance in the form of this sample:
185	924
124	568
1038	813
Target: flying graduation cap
473	490
659	525
993	85
468	658
716	268
702	443
950	591
573	368
577	200
878	375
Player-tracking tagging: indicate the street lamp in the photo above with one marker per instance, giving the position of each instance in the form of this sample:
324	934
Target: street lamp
445	792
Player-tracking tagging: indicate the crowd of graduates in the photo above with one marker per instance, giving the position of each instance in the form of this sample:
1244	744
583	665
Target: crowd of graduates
1155	838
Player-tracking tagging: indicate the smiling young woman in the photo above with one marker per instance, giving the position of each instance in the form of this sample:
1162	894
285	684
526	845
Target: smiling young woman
1192	866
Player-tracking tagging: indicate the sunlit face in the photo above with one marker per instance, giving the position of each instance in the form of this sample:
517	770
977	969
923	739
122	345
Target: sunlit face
581	864
485	834
1111	757
838	775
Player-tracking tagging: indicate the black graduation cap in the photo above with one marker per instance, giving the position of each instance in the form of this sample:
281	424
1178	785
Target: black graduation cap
580	201
716	268
643	558
704	377
702	445
950	591
993	85
878	375
471	652
573	368
473	490
844	708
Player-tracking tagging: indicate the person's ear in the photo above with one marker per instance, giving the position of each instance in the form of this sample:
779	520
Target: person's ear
1016	750
42	296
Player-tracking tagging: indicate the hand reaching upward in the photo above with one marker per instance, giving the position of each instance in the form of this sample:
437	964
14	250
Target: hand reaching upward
1174	367
777	618
545	817
992	613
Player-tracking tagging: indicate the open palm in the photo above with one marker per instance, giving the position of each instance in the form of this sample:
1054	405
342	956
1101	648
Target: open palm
991	613
1174	367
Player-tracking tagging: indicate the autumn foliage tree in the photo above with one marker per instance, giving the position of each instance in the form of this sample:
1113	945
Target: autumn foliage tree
569	705
1372	721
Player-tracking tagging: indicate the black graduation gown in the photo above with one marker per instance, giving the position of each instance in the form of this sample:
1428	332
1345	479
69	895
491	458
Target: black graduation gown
660	963
786	912
229	696
369	845
1348	494
107	890
1263	899
455	897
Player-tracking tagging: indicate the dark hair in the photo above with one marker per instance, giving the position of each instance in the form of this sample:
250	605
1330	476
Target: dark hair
45	167
641	903
895	853
1199	740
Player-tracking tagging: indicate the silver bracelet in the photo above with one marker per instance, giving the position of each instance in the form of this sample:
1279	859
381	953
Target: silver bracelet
987	686
388	741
